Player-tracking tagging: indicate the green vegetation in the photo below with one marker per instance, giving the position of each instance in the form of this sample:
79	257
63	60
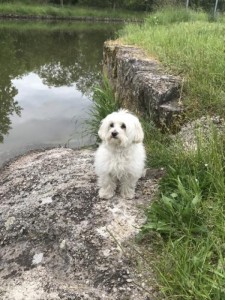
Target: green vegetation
66	11
188	217
136	5
104	104
186	220
122	9
188	45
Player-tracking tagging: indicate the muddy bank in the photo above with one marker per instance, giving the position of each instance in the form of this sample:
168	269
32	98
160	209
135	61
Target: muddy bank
59	240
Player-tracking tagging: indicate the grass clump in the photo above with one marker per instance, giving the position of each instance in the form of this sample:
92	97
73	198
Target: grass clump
189	217
104	103
189	45
171	15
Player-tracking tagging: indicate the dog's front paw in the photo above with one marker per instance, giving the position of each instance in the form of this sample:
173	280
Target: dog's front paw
128	194
104	194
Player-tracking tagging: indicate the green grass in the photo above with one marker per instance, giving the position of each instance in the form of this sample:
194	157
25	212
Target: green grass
168	16
189	217
187	44
104	103
66	12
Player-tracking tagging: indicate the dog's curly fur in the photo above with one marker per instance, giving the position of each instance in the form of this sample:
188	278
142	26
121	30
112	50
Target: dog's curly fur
121	155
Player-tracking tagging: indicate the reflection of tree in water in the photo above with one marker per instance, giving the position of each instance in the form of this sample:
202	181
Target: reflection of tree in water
58	75
8	105
59	57
74	61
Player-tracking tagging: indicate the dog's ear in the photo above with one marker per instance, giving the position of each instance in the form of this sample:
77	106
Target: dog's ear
102	130
138	132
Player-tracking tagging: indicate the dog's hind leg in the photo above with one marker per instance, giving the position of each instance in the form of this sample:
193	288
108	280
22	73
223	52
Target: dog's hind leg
107	185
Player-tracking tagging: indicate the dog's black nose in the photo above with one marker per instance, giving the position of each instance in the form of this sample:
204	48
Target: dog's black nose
114	133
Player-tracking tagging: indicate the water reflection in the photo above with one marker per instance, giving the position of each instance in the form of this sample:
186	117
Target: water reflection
46	115
8	106
46	78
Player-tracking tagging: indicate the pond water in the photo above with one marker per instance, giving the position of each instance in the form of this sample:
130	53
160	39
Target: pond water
47	74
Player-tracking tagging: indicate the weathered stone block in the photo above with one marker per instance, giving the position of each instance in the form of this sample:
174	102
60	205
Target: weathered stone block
141	84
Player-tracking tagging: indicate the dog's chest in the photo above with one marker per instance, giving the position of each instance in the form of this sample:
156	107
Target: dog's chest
119	164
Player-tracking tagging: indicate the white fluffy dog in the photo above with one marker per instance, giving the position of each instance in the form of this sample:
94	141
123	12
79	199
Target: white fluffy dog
121	155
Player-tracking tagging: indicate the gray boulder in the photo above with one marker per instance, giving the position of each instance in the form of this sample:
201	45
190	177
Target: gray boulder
59	240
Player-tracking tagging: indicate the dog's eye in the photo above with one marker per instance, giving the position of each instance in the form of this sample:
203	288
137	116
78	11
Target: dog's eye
123	126
111	125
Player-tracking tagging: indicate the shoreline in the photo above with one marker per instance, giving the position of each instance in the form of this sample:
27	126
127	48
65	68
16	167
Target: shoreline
67	18
4	165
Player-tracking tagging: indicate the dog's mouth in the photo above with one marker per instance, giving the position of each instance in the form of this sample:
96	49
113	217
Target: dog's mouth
114	139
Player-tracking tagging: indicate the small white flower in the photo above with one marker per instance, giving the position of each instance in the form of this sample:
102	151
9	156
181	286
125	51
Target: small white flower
206	165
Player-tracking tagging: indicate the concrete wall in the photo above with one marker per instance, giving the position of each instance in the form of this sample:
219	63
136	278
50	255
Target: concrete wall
141	84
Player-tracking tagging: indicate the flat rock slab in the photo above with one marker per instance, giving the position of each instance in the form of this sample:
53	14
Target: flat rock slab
58	239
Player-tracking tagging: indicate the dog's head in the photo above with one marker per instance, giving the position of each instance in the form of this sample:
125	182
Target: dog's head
121	128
